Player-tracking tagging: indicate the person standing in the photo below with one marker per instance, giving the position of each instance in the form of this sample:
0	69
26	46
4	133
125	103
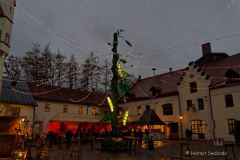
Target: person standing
187	133
140	136
237	137
190	134
69	136
151	144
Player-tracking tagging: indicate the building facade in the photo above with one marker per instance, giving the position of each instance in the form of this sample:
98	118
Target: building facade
202	97
6	22
15	101
60	109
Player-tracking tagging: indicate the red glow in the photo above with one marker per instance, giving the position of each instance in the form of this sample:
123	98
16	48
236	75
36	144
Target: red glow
54	126
74	126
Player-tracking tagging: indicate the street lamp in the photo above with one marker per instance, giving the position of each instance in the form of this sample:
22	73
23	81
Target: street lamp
181	118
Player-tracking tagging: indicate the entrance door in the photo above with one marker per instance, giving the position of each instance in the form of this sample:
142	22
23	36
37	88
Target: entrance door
197	127
174	131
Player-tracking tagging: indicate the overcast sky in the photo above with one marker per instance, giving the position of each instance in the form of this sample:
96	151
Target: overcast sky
82	26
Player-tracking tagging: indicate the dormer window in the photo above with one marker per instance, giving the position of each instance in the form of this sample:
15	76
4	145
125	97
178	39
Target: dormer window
193	87
154	91
7	38
232	76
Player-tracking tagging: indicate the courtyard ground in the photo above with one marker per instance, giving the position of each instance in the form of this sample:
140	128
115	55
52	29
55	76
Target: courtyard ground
164	150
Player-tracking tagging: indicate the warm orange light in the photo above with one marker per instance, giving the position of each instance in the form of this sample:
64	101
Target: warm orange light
23	119
180	117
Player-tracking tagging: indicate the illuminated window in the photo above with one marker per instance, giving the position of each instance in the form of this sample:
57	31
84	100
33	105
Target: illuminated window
231	125
167	109
47	108
65	109
229	100
139	110
120	112
193	87
94	111
80	110
197	126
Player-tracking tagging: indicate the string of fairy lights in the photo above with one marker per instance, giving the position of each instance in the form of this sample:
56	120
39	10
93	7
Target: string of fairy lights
80	100
72	41
229	6
141	24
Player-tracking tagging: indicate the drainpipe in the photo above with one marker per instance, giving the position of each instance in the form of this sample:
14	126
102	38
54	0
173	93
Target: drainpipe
33	126
210	101
180	112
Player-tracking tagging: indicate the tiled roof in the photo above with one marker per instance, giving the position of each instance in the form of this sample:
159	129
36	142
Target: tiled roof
216	70
15	94
164	83
66	95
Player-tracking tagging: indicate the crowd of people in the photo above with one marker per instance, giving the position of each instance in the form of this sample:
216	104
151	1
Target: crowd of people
68	138
133	138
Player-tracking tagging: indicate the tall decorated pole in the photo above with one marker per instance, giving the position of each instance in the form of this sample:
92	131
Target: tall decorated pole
114	84
117	81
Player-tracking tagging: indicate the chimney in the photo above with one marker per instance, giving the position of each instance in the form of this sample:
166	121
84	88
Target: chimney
206	49
139	77
170	69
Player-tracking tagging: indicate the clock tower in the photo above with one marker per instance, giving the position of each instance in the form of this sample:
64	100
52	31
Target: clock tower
6	22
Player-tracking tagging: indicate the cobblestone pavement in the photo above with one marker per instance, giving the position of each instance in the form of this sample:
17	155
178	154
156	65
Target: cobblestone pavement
199	150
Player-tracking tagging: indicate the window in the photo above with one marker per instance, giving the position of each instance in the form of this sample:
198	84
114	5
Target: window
197	126
193	87
200	104
80	110
139	110
229	100
167	109
148	107
10	10
65	109
94	111
7	38
231	125
189	104
47	108
120	113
